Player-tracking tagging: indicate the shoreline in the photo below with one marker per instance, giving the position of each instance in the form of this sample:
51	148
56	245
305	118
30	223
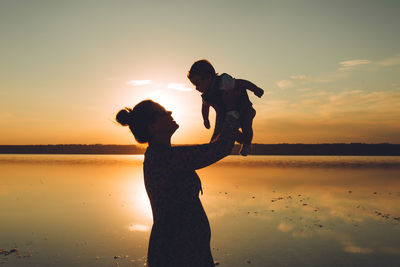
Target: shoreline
335	149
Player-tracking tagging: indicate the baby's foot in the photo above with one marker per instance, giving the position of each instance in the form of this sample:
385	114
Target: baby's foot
239	137
245	149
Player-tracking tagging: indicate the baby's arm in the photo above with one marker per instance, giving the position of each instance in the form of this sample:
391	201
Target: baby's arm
205	109
245	84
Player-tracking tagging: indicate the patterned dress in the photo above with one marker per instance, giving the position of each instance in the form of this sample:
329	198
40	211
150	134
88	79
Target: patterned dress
181	233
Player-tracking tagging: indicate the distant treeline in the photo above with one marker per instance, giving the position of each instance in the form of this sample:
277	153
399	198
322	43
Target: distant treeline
356	149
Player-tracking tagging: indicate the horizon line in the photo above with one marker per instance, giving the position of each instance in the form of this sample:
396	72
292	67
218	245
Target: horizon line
101	144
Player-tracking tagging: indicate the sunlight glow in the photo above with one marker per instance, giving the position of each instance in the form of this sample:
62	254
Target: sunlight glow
139	228
169	101
141	203
179	87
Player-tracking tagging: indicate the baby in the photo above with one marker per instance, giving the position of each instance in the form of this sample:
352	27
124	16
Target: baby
210	84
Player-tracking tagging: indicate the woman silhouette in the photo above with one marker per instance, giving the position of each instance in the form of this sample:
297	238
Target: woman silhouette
180	236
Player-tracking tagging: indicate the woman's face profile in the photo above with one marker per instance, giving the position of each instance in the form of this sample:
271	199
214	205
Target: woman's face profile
164	122
201	83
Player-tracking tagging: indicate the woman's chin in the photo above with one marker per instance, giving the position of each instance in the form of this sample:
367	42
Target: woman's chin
176	126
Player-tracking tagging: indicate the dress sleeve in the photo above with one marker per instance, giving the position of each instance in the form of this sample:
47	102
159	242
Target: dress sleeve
185	158
227	82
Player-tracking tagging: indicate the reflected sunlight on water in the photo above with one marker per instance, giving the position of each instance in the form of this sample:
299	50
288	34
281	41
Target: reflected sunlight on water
92	210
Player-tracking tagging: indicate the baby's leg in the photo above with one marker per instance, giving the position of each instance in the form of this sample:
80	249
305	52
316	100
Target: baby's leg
239	137
219	121
246	121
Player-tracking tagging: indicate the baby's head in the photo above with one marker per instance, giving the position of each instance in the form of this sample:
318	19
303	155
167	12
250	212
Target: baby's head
202	75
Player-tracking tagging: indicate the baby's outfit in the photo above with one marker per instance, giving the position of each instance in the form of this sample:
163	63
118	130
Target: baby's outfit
225	82
213	96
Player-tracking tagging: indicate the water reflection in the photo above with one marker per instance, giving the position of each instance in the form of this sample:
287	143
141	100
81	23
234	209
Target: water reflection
269	211
352	213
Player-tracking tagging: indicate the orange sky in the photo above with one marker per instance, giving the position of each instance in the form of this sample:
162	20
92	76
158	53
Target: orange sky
67	68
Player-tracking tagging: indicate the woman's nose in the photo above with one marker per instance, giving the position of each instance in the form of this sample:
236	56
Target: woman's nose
169	112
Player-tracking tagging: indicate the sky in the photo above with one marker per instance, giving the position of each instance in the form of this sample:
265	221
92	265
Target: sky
330	69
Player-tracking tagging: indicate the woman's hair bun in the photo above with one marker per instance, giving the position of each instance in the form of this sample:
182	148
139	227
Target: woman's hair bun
124	116
139	118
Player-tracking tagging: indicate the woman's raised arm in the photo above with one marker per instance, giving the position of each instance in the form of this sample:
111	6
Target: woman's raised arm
184	158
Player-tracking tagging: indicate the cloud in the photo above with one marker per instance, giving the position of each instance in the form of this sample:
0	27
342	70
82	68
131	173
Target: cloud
314	94
300	77
390	61
139	82
380	104
331	77
179	87
350	64
284	84
329	116
174	86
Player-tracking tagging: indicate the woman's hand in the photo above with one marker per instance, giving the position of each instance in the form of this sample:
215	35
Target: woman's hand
230	99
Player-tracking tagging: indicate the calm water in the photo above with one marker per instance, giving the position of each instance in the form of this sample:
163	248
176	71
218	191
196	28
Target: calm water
88	210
